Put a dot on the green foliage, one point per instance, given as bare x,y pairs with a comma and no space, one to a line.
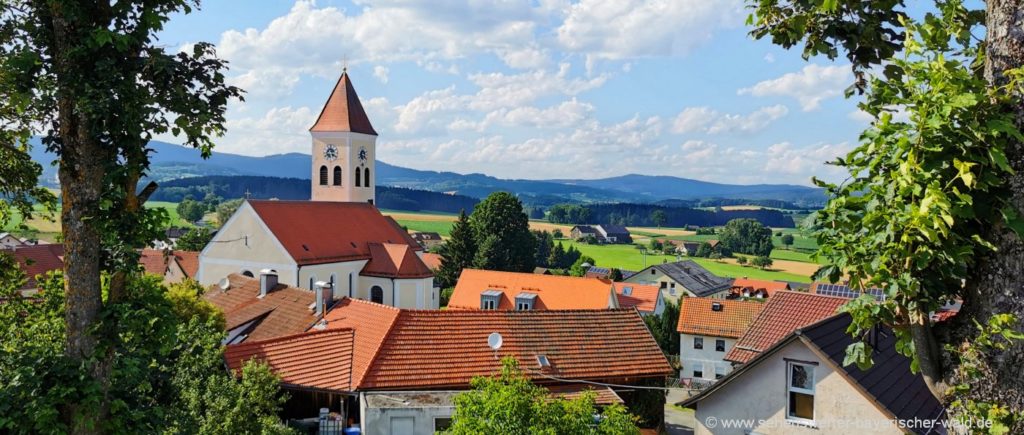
569,214
191,210
999,333
502,231
659,217
545,244
186,302
705,231
226,209
508,403
761,261
557,233
704,250
741,260
578,268
746,236
457,253
656,245
615,274
194,240
446,295
168,377
787,239
663,328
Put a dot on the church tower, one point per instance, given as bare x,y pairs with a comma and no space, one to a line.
344,148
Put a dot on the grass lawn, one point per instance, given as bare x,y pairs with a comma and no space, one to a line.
784,254
629,258
441,227
172,211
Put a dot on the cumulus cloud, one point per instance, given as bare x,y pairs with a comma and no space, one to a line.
381,73
707,120
810,86
278,130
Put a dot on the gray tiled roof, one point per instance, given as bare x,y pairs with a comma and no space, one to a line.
694,277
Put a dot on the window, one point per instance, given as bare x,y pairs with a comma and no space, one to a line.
719,372
487,304
664,284
358,174
442,424
672,284
698,342
652,272
698,372
377,294
337,175
323,175
523,306
366,177
720,345
800,388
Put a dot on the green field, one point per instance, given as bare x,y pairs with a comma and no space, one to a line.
441,227
172,211
783,254
629,258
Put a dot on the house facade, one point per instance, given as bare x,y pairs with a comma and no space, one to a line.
494,290
683,278
708,330
8,240
647,299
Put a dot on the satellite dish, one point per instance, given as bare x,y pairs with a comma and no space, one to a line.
224,284
494,341
586,265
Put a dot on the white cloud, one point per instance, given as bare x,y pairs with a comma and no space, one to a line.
810,86
770,58
628,29
705,119
279,130
381,73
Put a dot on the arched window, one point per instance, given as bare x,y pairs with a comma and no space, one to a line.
357,176
337,175
323,175
377,294
366,177
248,273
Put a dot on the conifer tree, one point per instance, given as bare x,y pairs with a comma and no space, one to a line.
457,253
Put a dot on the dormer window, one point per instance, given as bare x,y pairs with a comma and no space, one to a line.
489,299
524,301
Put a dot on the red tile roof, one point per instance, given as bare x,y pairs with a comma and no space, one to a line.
642,297
697,316
343,111
316,232
395,260
284,311
433,261
188,261
318,359
153,261
602,395
553,292
38,260
447,348
371,321
784,313
770,287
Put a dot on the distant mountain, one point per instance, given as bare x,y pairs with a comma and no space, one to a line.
174,162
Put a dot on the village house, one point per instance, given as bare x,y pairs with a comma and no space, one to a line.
605,233
427,240
339,237
683,278
783,313
755,288
647,299
262,309
605,273
173,266
495,290
708,330
388,370
844,291
36,260
687,248
800,385
8,240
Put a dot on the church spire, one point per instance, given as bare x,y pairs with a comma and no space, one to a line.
343,111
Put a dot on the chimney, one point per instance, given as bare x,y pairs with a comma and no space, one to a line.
268,280
323,297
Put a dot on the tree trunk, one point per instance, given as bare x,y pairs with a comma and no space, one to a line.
996,282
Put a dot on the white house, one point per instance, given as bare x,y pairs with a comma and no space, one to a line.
800,386
708,330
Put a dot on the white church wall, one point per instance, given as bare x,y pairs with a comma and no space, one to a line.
242,244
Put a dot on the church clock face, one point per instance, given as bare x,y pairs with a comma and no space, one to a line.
362,154
331,153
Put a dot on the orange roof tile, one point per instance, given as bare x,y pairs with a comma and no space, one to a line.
697,316
433,261
343,111
602,395
447,348
784,313
395,260
284,311
153,261
188,261
642,297
769,287
371,323
318,359
37,260
553,292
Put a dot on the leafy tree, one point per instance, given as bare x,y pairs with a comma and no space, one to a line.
787,239
932,210
557,257
545,243
577,268
194,240
557,233
446,295
746,236
741,260
457,253
663,328
659,217
190,210
656,245
93,78
761,261
508,403
589,239
615,275
226,209
500,217
704,250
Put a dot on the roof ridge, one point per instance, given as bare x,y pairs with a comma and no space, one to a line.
380,345
247,344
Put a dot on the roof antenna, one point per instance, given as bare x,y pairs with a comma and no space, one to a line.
344,64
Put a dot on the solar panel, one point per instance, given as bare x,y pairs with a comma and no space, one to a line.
844,291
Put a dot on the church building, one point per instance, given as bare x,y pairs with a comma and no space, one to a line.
338,239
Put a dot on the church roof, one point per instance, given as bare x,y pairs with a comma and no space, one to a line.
317,232
395,260
343,111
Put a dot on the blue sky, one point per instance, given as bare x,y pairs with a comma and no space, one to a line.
535,89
